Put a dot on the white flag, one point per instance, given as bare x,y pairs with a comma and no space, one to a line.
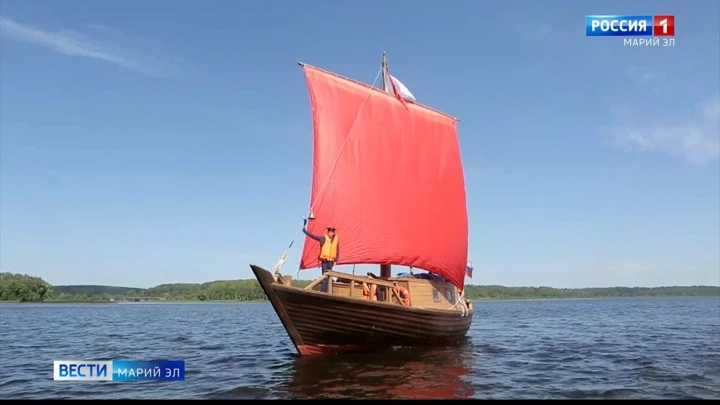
404,92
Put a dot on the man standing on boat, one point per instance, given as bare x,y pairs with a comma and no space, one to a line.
329,250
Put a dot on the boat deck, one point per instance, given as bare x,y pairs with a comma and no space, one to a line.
424,293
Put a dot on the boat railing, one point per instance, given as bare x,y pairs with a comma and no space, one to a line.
357,279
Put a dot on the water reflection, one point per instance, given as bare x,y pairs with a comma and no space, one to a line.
403,373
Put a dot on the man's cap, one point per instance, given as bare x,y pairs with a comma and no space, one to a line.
330,228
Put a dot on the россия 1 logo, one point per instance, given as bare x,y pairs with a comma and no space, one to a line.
645,30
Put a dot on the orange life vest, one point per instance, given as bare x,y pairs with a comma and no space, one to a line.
328,252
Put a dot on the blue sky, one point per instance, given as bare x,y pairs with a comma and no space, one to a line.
170,141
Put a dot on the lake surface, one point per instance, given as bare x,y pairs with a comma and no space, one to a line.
594,348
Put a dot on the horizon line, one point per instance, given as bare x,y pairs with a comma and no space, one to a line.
474,285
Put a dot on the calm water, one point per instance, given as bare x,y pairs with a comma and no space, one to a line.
614,348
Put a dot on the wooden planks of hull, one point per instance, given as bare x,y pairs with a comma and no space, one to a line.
322,323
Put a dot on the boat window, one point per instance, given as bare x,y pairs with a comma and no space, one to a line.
450,294
436,295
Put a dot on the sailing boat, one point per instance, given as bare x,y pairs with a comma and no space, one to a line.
387,176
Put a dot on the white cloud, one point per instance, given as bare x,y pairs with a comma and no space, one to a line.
642,75
105,44
529,25
239,256
711,110
697,140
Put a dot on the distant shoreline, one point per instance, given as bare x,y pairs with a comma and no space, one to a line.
98,301
26,288
51,302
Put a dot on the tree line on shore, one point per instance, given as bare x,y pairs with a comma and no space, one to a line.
22,288
25,288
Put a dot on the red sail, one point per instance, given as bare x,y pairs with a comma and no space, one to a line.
388,177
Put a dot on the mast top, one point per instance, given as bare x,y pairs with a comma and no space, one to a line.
384,72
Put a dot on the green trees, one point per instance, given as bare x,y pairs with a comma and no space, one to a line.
249,290
224,290
500,292
24,288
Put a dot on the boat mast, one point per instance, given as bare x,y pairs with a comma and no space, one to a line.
385,269
384,71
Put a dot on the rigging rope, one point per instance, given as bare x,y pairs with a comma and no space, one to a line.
283,257
461,299
347,137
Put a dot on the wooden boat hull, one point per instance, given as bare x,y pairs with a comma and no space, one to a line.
322,323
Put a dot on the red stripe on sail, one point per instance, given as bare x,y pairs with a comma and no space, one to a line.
396,192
